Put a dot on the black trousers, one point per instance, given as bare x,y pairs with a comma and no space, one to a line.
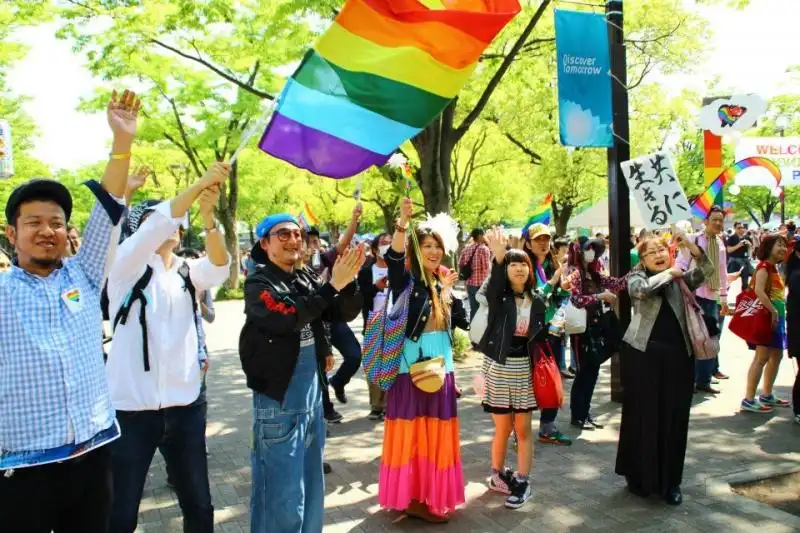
69,497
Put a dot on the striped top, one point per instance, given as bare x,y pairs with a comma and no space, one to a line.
776,290
380,74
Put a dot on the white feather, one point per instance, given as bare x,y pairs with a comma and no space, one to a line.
446,228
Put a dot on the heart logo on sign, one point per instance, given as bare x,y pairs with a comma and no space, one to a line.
729,114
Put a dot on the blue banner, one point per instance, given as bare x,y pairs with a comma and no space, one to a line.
584,84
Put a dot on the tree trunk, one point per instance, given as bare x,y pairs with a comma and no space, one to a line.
389,217
229,197
434,146
562,217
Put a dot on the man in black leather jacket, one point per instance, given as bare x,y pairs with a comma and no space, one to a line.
284,350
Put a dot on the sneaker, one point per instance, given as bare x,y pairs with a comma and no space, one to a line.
720,375
567,375
520,493
375,414
572,370
797,419
594,424
582,424
326,468
334,417
773,401
555,437
755,406
501,481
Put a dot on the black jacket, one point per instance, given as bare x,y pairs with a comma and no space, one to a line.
793,313
367,287
419,306
277,306
502,319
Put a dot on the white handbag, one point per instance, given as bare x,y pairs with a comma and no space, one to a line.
478,325
575,319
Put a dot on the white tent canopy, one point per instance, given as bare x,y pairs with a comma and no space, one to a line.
597,216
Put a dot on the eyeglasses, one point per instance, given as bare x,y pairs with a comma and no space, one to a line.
284,235
660,250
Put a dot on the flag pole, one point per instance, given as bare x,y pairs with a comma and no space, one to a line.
254,127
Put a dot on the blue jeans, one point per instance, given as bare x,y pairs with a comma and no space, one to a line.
705,369
288,487
180,432
473,301
344,340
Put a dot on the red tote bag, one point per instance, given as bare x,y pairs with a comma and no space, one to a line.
751,320
547,386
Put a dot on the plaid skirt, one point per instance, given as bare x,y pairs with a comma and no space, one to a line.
509,387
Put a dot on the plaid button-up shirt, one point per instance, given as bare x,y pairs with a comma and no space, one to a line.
53,388
480,258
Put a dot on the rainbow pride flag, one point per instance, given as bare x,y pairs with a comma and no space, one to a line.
543,213
705,200
310,217
376,78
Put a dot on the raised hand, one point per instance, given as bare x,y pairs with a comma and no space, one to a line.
122,113
216,174
137,180
449,280
358,210
497,243
406,211
208,200
347,267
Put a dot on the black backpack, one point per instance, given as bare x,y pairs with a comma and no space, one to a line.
137,293
465,271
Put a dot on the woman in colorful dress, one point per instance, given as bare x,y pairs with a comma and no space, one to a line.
516,330
421,464
595,292
769,288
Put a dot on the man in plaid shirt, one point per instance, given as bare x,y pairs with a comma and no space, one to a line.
55,413
478,257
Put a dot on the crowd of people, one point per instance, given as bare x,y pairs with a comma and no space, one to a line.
78,430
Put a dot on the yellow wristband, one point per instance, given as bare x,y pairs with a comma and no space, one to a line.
120,156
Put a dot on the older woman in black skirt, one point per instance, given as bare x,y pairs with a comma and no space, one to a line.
657,370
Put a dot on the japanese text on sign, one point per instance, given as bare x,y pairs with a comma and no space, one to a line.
653,182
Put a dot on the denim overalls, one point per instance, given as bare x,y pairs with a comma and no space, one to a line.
288,487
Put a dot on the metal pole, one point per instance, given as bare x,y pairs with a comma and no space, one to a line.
783,189
619,216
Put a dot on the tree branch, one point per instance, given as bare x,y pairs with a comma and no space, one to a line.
501,71
536,159
243,85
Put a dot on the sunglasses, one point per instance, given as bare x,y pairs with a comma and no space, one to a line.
284,235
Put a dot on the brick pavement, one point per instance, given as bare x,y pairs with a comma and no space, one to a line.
575,487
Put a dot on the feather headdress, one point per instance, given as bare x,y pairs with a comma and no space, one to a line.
445,227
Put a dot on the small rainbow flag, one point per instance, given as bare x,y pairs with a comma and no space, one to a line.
376,77
309,216
73,295
705,201
543,213
304,225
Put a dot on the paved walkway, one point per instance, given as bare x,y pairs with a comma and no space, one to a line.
575,487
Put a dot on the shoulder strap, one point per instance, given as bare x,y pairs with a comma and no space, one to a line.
183,272
137,293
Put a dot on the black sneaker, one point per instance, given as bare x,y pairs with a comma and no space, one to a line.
501,481
334,417
582,424
520,493
594,424
326,468
338,391
375,414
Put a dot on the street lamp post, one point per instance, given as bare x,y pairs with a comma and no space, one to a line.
781,123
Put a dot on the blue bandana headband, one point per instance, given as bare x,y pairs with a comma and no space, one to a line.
266,225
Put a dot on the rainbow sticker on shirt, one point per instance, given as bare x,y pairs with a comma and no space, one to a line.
73,295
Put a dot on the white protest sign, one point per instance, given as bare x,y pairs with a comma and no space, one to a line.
653,182
6,155
783,151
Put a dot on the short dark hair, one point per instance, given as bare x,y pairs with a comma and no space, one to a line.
791,226
765,250
12,221
560,243
477,232
376,242
189,253
715,209
312,232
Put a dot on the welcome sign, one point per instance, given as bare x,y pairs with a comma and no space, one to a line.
584,83
783,151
